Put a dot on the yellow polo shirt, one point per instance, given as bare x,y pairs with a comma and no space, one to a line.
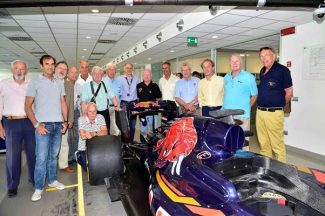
211,91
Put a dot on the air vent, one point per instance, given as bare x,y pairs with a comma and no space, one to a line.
38,53
106,41
20,38
97,53
122,21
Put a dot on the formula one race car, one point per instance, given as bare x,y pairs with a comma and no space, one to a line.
194,166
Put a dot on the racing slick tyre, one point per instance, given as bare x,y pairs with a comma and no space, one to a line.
104,156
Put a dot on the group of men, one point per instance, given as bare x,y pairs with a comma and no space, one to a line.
37,112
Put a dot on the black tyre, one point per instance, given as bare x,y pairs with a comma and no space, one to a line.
104,156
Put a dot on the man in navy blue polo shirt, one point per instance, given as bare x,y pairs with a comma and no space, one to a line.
274,92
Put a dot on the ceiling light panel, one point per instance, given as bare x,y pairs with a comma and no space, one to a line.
208,28
147,23
32,23
35,17
14,33
36,30
244,12
255,32
88,26
61,17
283,15
278,26
60,10
63,25
233,30
7,22
158,16
255,23
228,19
100,19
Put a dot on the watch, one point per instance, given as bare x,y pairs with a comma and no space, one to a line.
36,125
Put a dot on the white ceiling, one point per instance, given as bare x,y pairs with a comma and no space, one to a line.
72,33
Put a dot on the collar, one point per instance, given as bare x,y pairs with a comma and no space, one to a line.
88,121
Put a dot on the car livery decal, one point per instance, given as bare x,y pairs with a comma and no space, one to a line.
178,197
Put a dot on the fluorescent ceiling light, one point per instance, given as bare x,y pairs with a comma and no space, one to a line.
95,11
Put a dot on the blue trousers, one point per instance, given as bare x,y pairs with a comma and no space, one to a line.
47,150
18,132
206,110
132,119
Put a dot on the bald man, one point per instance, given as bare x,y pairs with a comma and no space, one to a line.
84,76
148,91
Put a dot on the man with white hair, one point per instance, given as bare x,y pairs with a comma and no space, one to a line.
115,83
17,128
97,92
148,91
240,91
186,91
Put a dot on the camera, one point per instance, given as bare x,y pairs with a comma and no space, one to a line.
320,11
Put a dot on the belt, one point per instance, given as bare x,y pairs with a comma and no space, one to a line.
15,117
270,109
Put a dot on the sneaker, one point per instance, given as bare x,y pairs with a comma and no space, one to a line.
37,195
57,185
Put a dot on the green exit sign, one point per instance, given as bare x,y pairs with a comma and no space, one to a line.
192,41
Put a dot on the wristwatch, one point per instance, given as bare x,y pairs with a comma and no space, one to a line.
36,125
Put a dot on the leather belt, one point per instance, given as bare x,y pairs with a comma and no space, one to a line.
270,109
15,117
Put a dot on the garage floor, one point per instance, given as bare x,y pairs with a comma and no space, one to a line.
96,199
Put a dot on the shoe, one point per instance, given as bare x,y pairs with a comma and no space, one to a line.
67,170
37,195
57,185
12,193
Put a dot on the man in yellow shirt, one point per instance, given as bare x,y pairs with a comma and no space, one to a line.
210,93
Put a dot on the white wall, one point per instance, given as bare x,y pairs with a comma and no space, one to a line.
306,123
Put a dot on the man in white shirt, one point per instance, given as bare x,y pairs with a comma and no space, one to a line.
84,76
167,83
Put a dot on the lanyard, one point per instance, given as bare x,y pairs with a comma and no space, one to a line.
129,84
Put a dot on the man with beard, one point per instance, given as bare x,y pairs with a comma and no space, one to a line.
17,128
60,71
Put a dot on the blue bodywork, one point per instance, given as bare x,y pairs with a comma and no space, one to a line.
211,178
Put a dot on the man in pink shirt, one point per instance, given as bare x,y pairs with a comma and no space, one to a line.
16,128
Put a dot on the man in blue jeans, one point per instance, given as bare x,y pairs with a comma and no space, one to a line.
49,118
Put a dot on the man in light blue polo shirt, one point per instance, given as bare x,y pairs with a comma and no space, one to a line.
96,91
240,90
115,83
186,91
49,117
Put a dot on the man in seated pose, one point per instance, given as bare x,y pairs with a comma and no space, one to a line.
91,125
